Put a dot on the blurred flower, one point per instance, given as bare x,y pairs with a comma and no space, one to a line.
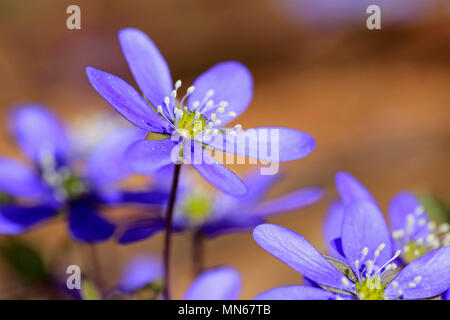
212,214
145,272
216,98
344,13
54,184
368,272
413,233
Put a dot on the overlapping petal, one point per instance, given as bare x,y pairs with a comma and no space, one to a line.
231,82
425,277
364,227
126,100
147,156
147,65
333,226
217,174
295,251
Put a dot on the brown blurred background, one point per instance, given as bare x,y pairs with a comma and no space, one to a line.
376,101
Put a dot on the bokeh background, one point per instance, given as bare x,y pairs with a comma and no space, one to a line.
377,102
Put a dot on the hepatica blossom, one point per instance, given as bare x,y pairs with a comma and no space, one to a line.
367,270
199,210
54,184
188,127
145,273
412,231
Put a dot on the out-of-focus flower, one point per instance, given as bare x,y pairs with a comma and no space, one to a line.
190,127
325,14
368,272
145,272
54,183
212,214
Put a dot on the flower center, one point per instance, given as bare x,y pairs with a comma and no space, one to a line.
197,208
370,289
66,185
410,240
200,117
373,279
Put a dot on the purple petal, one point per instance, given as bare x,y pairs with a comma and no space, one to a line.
217,174
147,64
404,204
107,165
258,185
364,227
236,223
231,82
274,144
222,283
333,226
142,270
295,251
446,295
351,189
140,230
425,277
289,202
87,225
19,180
296,292
39,133
17,219
147,156
126,100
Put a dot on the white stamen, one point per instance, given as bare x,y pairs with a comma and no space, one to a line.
218,122
220,110
232,114
345,281
417,279
394,284
213,117
444,228
412,285
238,127
177,84
223,104
190,89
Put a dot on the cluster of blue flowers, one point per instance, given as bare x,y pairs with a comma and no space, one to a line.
366,260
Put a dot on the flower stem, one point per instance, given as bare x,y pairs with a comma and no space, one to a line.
197,253
168,234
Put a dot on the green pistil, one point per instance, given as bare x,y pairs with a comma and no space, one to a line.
413,251
73,186
4,198
197,207
370,289
191,125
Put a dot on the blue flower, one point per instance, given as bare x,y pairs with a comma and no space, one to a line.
146,271
194,122
368,271
412,231
53,183
212,214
